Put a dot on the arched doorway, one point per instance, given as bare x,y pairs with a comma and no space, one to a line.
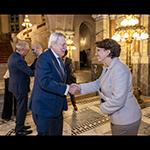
85,46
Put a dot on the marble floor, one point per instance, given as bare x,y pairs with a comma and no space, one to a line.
86,121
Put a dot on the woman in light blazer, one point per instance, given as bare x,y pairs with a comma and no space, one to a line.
115,89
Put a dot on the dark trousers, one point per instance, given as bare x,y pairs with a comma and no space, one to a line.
52,126
22,101
72,98
9,105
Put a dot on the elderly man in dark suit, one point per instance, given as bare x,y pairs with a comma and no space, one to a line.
37,50
19,84
48,98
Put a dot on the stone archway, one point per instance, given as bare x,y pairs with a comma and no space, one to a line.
86,42
90,24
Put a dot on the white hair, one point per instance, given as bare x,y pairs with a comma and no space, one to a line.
22,44
37,45
54,37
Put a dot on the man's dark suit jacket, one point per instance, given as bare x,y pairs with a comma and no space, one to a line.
47,98
70,76
33,64
19,74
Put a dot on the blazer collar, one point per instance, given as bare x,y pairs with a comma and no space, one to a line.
56,65
114,61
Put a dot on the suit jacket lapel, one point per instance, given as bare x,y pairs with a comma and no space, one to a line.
104,76
57,67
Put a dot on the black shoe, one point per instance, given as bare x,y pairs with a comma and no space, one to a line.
27,127
23,133
5,120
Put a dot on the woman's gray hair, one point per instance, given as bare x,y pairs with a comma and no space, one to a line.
22,45
54,37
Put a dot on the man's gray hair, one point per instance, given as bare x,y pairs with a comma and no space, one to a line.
38,45
22,44
54,37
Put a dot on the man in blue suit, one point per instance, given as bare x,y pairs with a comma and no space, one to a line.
48,98
19,84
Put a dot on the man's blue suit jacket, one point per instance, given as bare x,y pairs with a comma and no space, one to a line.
19,74
47,98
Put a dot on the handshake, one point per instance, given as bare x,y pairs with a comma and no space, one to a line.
74,88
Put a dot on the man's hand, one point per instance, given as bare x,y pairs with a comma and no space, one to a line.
74,88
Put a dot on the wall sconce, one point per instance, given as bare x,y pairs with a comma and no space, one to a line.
70,43
83,42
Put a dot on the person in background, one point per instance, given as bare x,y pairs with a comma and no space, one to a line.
88,52
50,89
9,105
18,84
115,90
37,51
70,77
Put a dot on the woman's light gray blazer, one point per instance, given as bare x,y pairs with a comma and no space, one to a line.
116,87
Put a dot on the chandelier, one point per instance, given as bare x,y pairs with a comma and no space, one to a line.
27,24
130,30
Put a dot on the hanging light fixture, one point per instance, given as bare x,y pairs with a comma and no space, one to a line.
130,30
27,24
